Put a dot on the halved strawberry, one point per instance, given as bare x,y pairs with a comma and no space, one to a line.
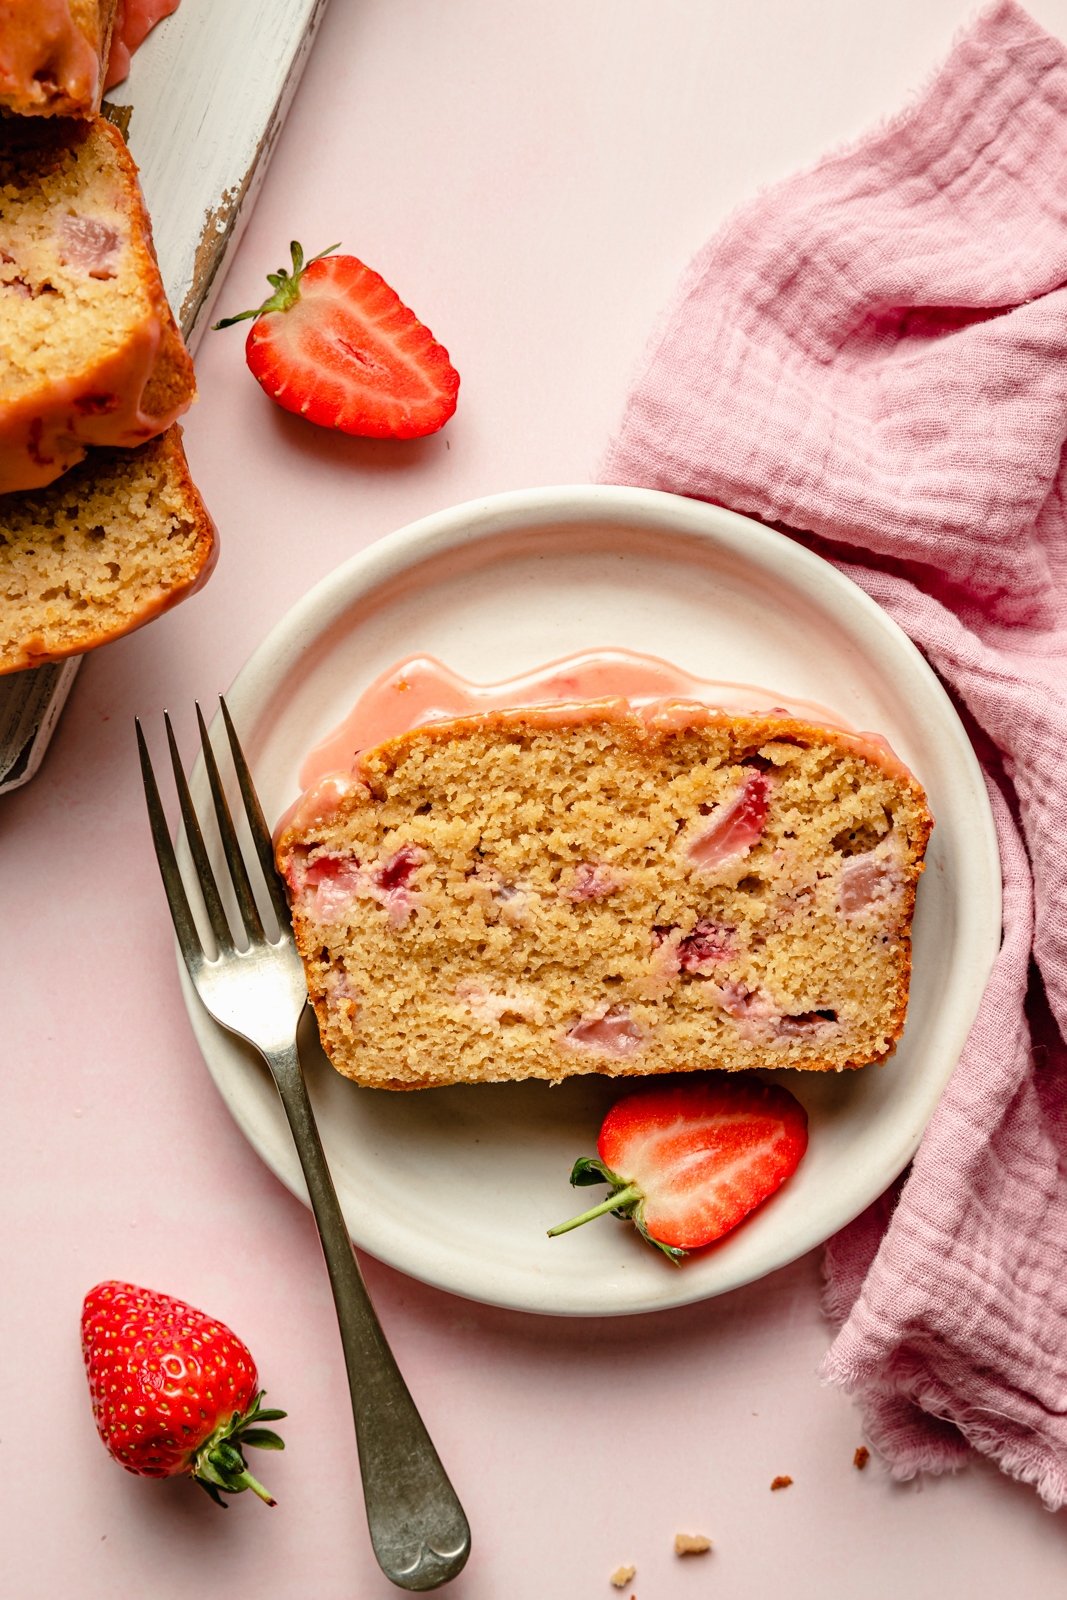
336,345
687,1162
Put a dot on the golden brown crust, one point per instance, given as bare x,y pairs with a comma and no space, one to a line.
761,727
173,381
172,385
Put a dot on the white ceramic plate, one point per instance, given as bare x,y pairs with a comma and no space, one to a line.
458,1186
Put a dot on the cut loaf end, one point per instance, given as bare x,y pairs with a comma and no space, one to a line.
117,540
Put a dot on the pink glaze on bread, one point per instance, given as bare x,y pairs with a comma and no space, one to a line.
52,55
58,56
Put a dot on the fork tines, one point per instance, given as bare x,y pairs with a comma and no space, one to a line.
184,923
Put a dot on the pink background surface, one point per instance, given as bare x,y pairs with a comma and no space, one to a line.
532,180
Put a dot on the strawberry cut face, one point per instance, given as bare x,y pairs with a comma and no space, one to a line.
348,354
703,1159
687,1163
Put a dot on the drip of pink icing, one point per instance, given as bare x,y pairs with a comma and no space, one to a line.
45,58
421,689
597,685
45,431
48,61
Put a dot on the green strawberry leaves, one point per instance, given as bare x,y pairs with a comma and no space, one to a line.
263,1439
587,1170
219,1466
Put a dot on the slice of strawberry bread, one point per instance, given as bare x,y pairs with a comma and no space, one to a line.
539,893
91,351
119,539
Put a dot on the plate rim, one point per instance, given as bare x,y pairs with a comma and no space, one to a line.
473,521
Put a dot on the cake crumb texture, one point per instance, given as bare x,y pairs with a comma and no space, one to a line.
861,1457
622,1576
499,898
783,1481
114,542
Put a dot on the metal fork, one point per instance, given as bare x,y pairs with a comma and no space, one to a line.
417,1526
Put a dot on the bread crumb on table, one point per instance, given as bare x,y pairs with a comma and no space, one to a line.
622,1576
691,1544
782,1481
861,1457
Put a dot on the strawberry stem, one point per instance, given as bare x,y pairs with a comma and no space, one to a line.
286,286
622,1197
246,1481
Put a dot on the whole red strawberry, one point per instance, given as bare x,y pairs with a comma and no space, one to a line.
174,1392
686,1163
336,345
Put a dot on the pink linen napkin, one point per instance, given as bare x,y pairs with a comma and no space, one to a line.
874,355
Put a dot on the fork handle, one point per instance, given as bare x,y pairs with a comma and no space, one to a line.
417,1526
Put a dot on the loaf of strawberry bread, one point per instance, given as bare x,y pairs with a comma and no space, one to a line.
120,538
561,890
92,354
